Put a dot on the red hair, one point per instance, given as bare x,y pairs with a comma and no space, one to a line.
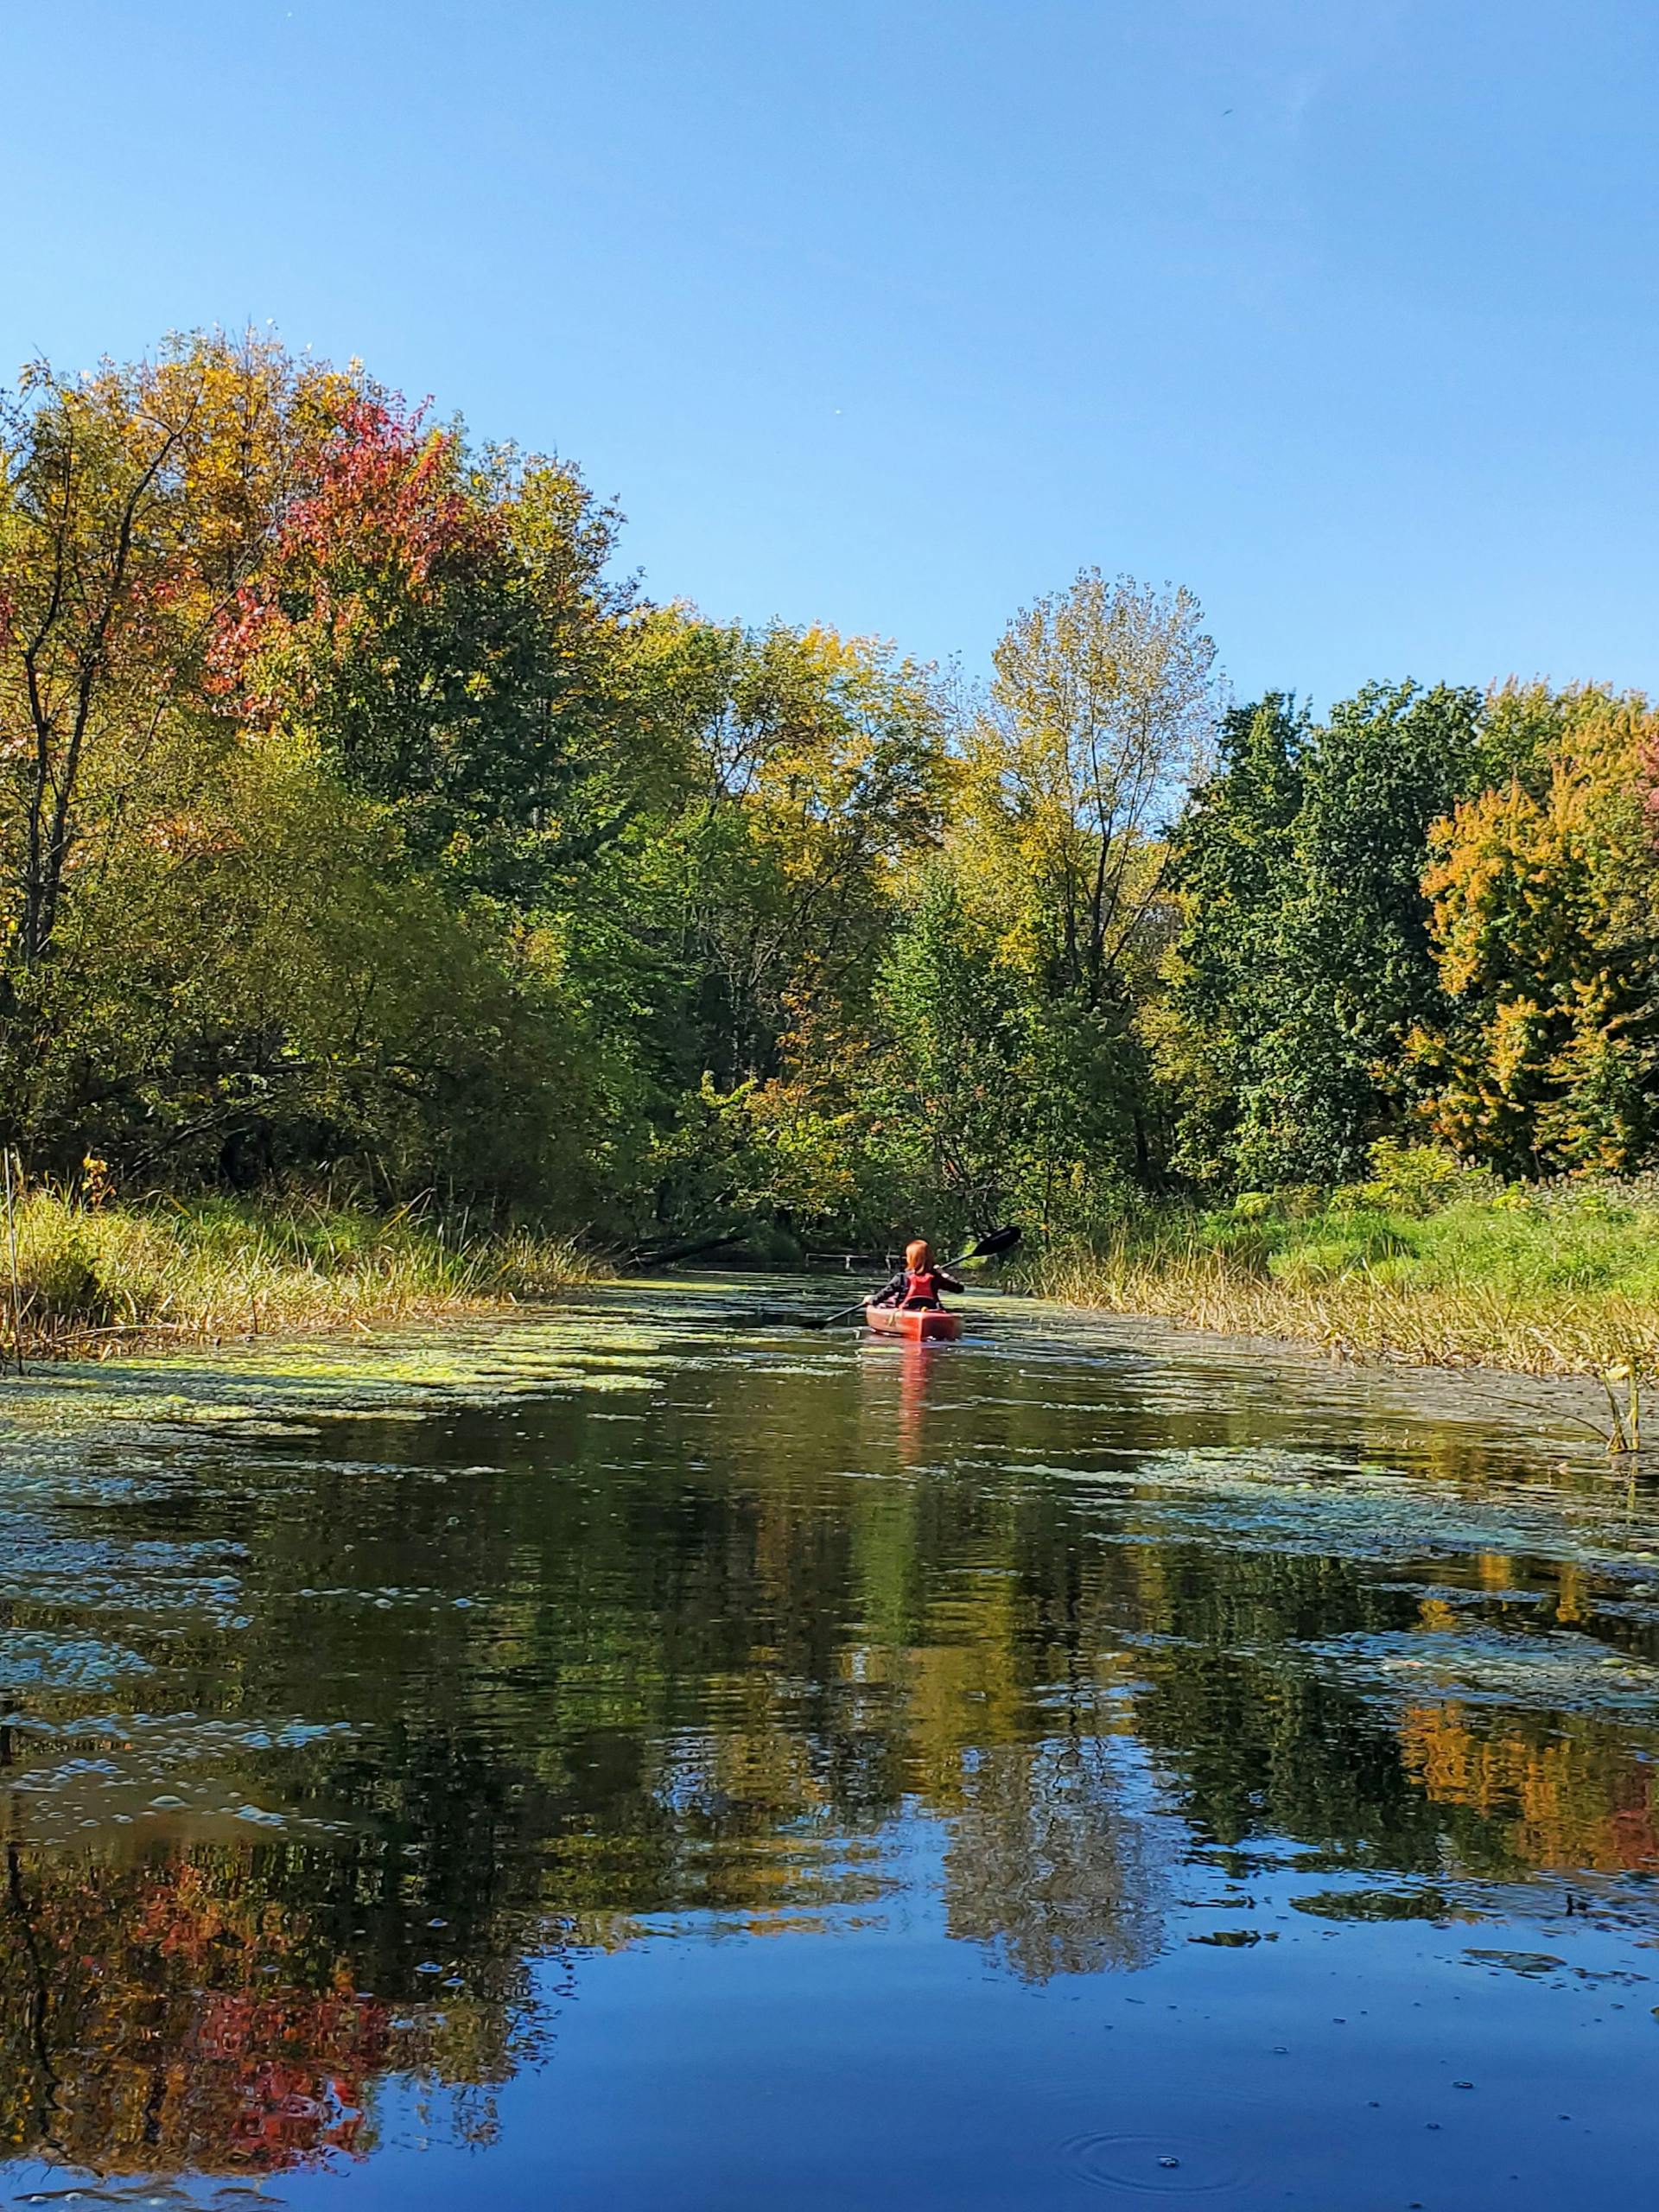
919,1254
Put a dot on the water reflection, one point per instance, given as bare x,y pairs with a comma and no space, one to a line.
1057,1863
210,2010
338,1757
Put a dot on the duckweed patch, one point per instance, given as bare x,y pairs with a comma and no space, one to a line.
1278,1501
32,1660
1551,1672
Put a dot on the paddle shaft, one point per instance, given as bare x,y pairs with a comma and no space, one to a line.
986,1247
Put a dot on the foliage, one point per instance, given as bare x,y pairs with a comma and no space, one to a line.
356,822
820,793
438,621
1303,963
955,1076
1559,1279
1543,926
1233,873
1410,1178
1103,696
134,504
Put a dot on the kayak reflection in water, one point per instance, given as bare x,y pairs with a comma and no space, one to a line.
917,1285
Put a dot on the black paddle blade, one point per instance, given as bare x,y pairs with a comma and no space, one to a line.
1000,1240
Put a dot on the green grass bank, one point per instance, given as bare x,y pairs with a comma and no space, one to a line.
90,1279
1424,1264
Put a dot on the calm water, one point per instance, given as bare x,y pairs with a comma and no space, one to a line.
635,1760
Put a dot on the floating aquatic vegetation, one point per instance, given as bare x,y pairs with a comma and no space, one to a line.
282,1388
42,1568
1275,1500
1553,1672
1531,1963
124,1769
35,1659
1431,1905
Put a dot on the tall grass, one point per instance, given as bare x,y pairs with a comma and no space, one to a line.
1550,1281
94,1277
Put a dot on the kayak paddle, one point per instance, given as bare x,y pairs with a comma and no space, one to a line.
988,1248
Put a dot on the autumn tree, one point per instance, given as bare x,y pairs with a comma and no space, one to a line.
1105,696
820,792
310,715
439,623
1542,921
134,504
1102,699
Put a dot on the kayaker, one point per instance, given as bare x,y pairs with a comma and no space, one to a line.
919,1282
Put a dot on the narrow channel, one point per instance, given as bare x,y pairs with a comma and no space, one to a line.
632,1758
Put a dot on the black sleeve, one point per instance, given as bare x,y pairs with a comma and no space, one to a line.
949,1282
889,1291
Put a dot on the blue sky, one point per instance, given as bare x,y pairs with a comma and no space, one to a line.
893,313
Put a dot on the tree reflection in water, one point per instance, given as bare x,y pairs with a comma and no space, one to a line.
178,2013
1052,1864
582,1670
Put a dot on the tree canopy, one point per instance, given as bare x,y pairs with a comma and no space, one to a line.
359,820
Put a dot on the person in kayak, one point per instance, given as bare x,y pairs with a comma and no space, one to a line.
919,1282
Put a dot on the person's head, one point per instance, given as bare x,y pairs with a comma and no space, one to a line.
918,1256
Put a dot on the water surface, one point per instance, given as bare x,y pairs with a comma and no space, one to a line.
628,1758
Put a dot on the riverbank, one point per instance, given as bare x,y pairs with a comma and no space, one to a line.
1559,1281
91,1280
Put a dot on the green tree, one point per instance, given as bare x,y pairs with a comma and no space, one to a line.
1232,875
956,1073
1305,960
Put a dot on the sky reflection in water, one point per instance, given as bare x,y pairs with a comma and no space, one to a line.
701,1766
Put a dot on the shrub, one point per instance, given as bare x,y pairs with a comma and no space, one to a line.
57,1279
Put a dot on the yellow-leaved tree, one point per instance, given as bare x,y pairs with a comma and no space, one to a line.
1543,893
1104,697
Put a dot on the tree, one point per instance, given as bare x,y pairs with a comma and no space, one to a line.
134,503
955,1073
1314,971
1231,873
1542,921
1104,698
439,623
821,794
735,933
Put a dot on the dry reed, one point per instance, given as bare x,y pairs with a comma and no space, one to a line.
1547,1330
96,1279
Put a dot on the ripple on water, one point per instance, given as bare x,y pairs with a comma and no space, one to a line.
1173,2164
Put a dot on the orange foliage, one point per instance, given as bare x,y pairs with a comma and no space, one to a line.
1577,1801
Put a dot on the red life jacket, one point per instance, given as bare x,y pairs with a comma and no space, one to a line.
921,1289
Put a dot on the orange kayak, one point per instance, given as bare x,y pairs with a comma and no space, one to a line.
918,1324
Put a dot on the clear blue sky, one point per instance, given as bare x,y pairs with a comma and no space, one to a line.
892,313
